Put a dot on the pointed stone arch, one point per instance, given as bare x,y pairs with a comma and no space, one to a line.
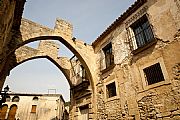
63,70
62,32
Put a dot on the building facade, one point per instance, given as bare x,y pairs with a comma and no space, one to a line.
131,71
137,64
20,106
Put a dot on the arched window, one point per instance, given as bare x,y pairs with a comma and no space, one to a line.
3,111
35,98
8,98
12,112
15,99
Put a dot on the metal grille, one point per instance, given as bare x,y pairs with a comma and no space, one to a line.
78,71
153,74
140,33
111,90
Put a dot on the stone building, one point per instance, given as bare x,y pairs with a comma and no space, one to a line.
131,71
33,107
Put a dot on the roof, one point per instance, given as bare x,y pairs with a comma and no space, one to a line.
33,94
119,20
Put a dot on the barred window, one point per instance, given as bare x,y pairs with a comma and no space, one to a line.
140,33
153,74
111,90
109,57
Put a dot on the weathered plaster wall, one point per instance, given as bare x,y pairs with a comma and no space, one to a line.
160,101
49,106
135,99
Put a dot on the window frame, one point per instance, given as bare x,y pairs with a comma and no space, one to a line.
143,33
164,72
82,73
8,98
14,99
151,73
109,58
35,98
105,90
110,89
34,109
81,111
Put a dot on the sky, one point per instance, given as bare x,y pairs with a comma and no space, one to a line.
89,19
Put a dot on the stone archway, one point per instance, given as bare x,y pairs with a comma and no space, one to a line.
26,53
30,31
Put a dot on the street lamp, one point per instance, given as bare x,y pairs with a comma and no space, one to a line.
3,95
6,89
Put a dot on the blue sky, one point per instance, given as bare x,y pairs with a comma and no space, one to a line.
89,18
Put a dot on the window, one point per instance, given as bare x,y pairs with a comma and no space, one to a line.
8,98
153,74
33,109
78,71
84,112
109,58
35,98
15,99
140,33
111,90
82,72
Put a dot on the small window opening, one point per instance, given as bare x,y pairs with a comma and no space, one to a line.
33,110
109,57
15,99
111,90
153,74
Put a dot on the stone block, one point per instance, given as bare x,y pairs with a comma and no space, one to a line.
176,113
159,115
166,114
176,118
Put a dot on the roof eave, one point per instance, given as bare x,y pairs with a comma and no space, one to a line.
120,19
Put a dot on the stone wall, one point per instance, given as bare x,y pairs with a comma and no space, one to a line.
7,9
135,99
